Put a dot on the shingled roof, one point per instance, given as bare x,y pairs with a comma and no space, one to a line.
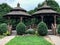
45,9
17,11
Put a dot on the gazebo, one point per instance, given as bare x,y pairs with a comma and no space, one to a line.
47,14
17,13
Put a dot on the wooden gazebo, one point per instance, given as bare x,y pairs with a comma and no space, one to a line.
46,14
17,13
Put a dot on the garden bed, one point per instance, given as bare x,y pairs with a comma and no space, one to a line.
28,40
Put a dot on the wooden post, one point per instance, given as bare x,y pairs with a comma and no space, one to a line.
55,19
9,25
41,18
55,25
21,18
9,21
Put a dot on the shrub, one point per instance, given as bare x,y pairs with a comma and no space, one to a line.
42,29
20,28
59,29
3,28
30,31
7,33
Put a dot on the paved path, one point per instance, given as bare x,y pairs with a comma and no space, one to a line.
7,38
55,39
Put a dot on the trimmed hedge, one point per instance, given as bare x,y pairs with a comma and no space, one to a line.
20,28
3,28
59,29
42,29
30,31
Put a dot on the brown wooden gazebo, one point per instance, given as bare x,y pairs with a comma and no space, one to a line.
17,13
47,14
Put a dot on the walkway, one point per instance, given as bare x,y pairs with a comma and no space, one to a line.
55,39
7,38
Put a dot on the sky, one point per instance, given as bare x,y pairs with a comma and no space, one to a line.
26,4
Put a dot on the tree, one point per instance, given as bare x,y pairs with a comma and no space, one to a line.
4,9
31,11
53,4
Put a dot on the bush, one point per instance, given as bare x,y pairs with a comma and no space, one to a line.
42,29
7,33
3,28
20,28
59,29
30,31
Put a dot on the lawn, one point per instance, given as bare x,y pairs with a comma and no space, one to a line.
28,40
2,36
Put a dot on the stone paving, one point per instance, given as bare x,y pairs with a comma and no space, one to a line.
49,40
55,39
7,38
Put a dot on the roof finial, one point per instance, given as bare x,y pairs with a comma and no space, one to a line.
45,2
18,5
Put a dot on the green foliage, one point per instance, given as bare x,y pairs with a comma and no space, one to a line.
42,29
7,33
59,29
58,20
30,31
2,36
27,22
4,9
3,28
53,4
20,28
31,11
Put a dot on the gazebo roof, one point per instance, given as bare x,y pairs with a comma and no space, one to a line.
18,8
17,11
45,9
45,6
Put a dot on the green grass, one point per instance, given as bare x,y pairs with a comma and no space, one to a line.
2,36
28,40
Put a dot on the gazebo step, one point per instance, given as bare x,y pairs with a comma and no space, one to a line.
50,32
